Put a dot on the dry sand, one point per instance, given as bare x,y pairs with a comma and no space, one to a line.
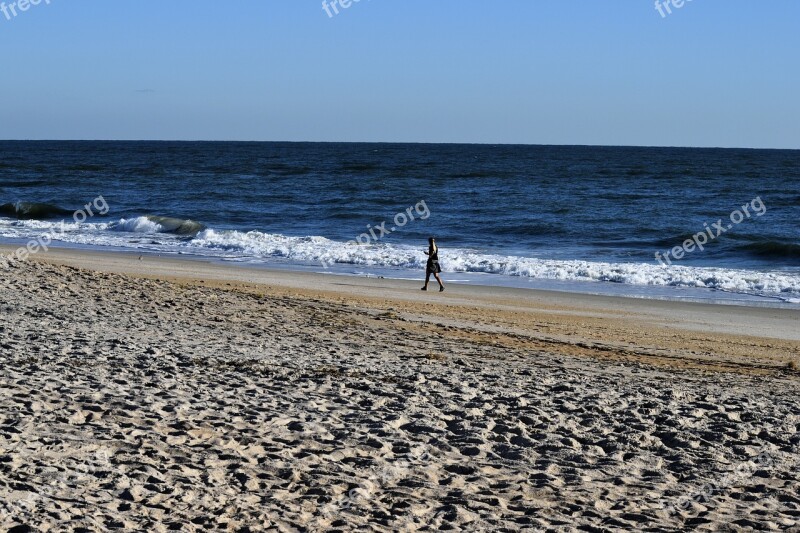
161,395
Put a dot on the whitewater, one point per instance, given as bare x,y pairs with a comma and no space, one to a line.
166,235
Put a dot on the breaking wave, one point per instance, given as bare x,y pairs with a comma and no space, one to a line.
157,224
32,211
321,250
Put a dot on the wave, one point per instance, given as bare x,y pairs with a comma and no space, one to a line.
285,170
32,211
637,171
177,226
136,225
311,249
173,235
157,224
85,168
774,249
529,229
358,166
25,184
324,251
664,238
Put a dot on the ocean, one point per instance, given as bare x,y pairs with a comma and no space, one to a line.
587,219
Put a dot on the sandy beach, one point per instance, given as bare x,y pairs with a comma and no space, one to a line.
216,219
157,394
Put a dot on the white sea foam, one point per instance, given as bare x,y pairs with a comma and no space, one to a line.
136,225
265,247
118,233
28,228
321,250
310,249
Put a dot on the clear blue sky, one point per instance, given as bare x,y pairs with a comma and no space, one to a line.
713,73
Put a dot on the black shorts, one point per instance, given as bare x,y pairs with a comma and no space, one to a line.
434,267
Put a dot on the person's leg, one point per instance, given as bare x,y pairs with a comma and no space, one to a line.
441,285
427,280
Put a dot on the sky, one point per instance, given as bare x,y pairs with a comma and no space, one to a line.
721,73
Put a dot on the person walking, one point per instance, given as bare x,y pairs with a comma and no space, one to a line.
433,266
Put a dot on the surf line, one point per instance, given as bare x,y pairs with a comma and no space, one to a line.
42,242
699,240
400,220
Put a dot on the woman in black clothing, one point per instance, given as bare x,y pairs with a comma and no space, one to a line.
433,266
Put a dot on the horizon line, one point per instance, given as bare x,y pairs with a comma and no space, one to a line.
450,143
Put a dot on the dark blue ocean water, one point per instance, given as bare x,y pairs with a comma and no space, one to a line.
582,214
